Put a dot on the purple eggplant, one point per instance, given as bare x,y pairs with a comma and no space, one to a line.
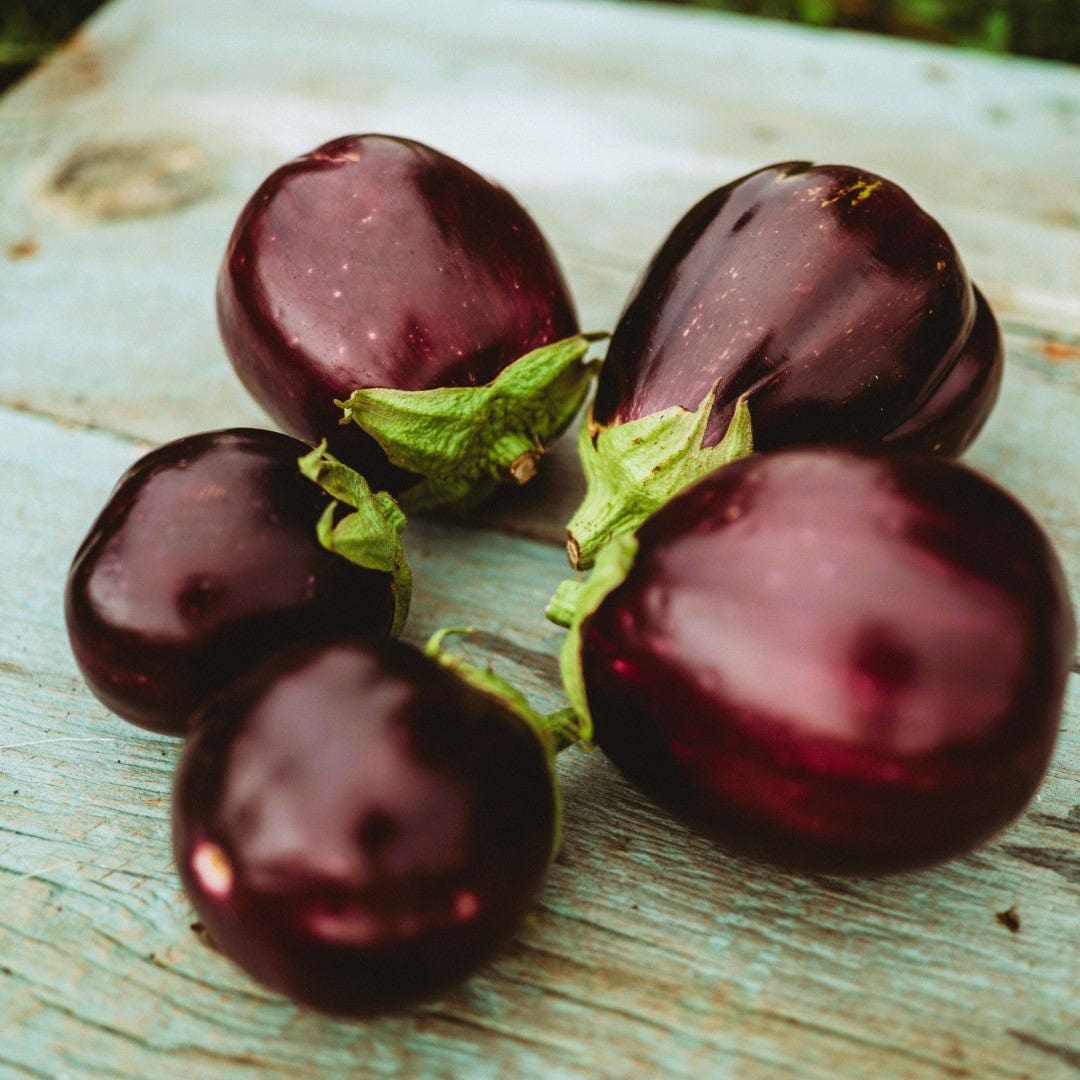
836,659
800,303
358,827
379,281
211,552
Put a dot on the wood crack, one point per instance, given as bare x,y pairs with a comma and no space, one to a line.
1062,861
1068,1054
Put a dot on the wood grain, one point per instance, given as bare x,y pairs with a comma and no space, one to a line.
650,952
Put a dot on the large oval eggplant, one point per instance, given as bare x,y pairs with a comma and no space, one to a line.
835,659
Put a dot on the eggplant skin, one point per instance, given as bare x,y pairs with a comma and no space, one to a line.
950,419
828,296
836,659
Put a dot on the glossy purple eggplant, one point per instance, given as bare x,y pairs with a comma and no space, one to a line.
821,296
205,558
376,262
359,828
827,295
836,659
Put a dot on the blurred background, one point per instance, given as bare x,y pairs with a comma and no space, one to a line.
1049,29
1044,28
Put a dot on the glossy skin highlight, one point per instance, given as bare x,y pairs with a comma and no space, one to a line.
376,261
827,295
358,828
836,660
204,559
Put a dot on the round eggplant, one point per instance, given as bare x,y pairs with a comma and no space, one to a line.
836,659
207,556
358,827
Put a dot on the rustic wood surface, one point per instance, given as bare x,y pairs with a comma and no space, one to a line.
650,953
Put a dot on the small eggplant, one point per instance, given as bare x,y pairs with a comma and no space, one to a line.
800,303
211,552
359,827
379,281
836,659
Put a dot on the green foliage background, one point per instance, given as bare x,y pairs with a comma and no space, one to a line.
30,29
1042,28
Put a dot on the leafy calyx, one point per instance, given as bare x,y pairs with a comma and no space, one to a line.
463,441
370,535
633,468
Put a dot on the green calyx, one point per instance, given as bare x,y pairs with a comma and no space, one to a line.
573,602
557,730
370,536
634,468
466,440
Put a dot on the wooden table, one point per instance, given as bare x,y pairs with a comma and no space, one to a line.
123,163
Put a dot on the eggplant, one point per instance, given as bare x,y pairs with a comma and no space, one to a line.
359,827
212,551
801,303
382,296
834,658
